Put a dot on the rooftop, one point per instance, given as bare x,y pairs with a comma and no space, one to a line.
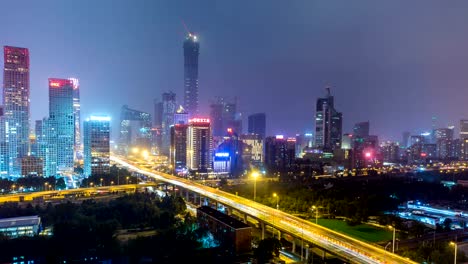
224,218
20,221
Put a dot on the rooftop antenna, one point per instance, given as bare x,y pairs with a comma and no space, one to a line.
185,27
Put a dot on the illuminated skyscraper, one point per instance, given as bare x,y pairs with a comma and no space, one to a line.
178,156
76,113
191,51
96,145
224,116
16,105
327,124
199,145
361,129
60,127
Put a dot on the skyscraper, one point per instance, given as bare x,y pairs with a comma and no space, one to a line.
135,130
327,124
178,157
168,111
223,115
199,145
361,129
96,145
76,114
61,124
16,104
464,139
191,51
257,124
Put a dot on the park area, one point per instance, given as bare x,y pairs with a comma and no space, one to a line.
363,232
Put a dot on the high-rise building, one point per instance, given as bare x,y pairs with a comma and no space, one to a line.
464,139
77,115
390,151
32,166
178,157
257,124
405,139
61,124
135,130
280,153
168,111
327,124
347,141
97,145
361,129
253,149
158,113
191,52
444,140
16,105
224,116
199,145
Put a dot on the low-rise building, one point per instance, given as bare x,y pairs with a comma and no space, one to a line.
14,227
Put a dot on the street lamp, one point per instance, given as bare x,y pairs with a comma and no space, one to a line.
277,200
112,182
316,213
13,187
45,186
393,243
255,176
455,252
127,179
101,181
91,184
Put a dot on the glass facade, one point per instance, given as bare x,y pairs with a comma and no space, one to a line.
97,145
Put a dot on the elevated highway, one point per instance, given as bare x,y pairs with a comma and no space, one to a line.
345,247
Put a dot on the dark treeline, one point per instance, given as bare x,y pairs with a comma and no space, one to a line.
90,229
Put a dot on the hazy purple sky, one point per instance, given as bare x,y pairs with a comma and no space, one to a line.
394,63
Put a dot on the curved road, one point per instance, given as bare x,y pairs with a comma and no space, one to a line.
341,245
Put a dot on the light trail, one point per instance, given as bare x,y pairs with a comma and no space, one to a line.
349,248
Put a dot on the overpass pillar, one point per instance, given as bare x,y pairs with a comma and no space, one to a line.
227,210
201,199
307,252
245,218
279,235
187,195
294,245
262,224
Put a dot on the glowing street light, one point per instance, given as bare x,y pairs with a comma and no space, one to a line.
112,182
255,176
455,252
45,185
316,213
277,200
127,179
13,187
145,154
91,184
393,244
101,181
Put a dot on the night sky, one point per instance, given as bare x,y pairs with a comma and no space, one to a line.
394,63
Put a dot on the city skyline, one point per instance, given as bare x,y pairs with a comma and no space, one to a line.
421,70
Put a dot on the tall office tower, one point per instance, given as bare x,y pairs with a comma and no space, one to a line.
224,116
16,104
257,124
191,51
390,151
178,157
61,124
443,139
158,114
280,153
199,145
327,124
347,141
96,145
405,139
135,130
361,129
181,116
76,114
41,142
464,139
168,111
253,150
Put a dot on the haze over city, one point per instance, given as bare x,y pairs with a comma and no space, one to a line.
396,64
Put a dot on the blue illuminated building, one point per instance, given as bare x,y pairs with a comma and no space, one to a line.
96,145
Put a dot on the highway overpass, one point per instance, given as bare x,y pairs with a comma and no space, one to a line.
345,247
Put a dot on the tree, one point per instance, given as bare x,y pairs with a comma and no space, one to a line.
60,184
267,249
